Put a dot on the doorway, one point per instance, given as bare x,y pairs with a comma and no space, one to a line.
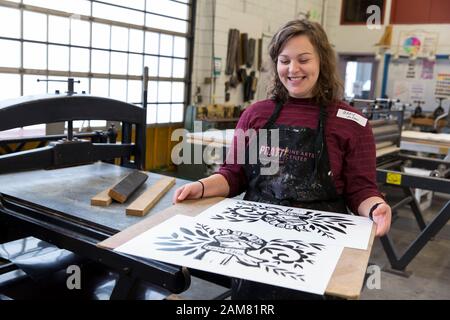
359,74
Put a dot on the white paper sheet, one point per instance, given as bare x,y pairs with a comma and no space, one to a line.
310,225
267,257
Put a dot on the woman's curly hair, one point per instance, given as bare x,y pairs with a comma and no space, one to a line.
329,87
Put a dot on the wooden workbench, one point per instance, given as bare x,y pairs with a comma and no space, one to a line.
346,281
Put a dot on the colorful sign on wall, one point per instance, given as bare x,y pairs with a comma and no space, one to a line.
417,43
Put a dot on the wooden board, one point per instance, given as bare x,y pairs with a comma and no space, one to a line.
442,144
347,279
428,122
101,199
385,151
127,186
427,137
150,197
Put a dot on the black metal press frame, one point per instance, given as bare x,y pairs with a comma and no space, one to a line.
65,231
42,141
82,237
26,111
391,174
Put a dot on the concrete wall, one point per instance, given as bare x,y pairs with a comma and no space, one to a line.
264,17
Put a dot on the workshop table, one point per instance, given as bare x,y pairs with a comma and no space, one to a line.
437,143
346,281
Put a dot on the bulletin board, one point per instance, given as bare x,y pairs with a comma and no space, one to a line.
419,79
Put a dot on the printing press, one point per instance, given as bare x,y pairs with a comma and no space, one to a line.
406,173
47,225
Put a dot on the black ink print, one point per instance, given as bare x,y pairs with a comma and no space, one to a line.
245,248
319,222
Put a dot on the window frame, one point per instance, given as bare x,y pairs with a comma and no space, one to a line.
344,4
46,73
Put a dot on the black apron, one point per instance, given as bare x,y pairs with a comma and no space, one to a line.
303,180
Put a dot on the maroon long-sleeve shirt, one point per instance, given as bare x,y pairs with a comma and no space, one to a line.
351,147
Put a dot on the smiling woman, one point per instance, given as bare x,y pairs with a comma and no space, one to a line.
303,47
298,70
337,170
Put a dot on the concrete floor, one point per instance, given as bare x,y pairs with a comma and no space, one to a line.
430,269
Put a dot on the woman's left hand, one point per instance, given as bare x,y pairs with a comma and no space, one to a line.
382,217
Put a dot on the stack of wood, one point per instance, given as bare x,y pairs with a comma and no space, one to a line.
126,187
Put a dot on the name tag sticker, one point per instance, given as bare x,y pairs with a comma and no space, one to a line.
344,114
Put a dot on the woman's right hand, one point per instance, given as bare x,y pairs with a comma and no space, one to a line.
188,191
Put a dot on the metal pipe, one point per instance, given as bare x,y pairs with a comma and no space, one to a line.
402,202
190,55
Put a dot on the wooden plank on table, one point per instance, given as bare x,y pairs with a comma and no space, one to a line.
101,199
127,186
385,151
150,197
187,207
435,143
346,281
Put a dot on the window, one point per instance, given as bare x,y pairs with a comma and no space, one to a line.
359,74
10,84
58,29
10,23
10,53
104,44
355,11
